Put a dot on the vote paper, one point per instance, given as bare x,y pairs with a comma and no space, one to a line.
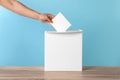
60,23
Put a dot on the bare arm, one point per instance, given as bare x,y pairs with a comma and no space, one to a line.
21,9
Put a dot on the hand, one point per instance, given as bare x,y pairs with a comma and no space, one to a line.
46,18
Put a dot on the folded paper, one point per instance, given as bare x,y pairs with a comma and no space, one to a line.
60,23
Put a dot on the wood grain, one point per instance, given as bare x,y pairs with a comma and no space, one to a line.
37,73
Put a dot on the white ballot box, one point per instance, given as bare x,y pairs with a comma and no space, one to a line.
63,51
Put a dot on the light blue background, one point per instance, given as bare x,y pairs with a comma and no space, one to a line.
22,39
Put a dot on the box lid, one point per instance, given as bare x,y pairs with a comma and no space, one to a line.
66,32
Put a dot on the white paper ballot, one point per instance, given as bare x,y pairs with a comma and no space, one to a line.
60,23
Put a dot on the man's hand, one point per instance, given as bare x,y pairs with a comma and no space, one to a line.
46,18
21,9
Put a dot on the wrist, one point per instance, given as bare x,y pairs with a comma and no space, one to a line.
39,16
36,16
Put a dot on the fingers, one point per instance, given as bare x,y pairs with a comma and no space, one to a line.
50,17
46,18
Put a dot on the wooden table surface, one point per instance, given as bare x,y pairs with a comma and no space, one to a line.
37,73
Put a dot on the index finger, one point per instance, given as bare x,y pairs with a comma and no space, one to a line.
50,16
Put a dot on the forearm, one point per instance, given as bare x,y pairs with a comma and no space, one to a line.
19,8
